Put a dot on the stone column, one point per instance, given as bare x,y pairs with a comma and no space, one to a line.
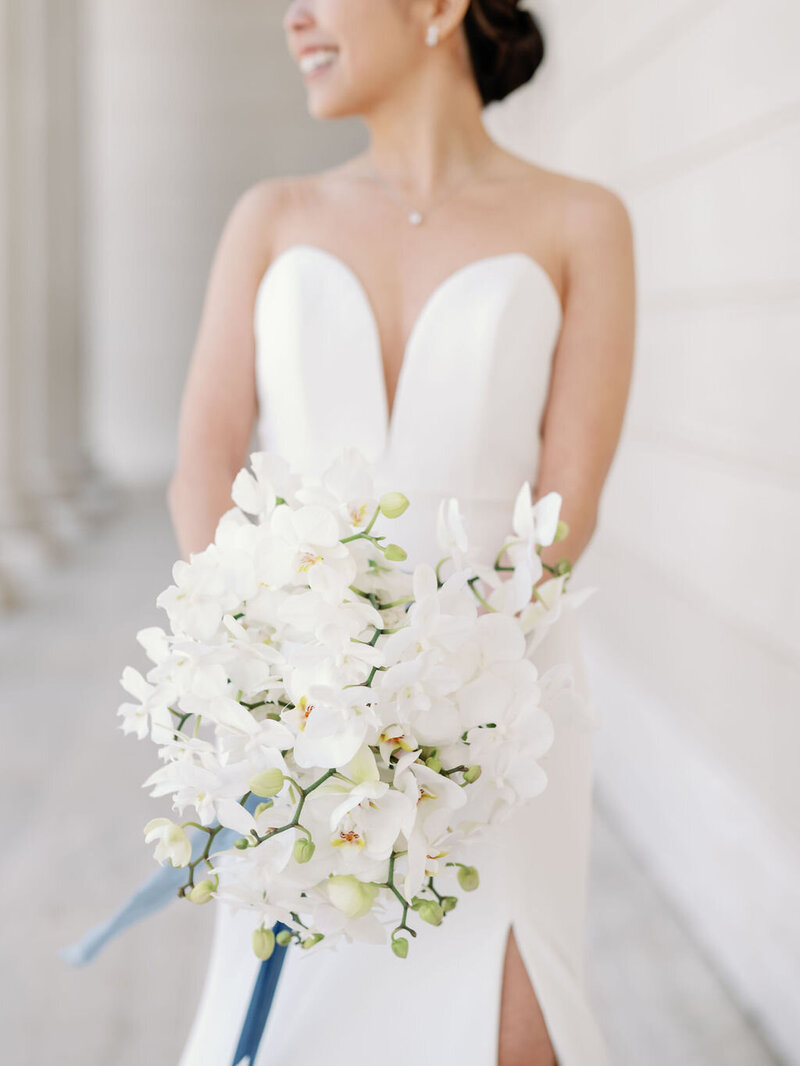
44,472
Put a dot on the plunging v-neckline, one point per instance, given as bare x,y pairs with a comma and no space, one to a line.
389,411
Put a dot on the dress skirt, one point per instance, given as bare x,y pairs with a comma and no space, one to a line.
358,1002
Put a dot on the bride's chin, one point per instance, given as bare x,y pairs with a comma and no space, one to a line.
331,105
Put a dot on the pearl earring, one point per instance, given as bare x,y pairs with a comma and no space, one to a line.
432,36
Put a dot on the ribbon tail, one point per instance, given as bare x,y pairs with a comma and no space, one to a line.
260,1003
151,896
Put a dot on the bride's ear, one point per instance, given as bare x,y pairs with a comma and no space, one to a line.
444,16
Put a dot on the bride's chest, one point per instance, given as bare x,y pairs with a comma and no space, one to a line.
472,380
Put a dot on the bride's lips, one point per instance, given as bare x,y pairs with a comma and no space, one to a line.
315,61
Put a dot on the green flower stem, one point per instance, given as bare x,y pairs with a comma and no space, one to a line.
501,553
371,641
304,793
389,883
471,582
363,535
373,599
201,858
265,703
452,770
373,519
359,592
439,565
439,897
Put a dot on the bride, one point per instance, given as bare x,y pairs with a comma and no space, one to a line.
466,318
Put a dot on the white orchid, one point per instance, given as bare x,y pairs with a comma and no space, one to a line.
329,725
436,799
173,844
257,493
303,547
372,814
200,596
536,523
347,487
451,533
151,714
354,723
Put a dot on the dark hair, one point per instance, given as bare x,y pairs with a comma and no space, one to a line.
506,46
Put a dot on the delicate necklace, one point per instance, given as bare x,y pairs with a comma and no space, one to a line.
415,216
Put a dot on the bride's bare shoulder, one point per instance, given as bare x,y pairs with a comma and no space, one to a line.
576,202
591,210
256,220
264,201
274,200
590,225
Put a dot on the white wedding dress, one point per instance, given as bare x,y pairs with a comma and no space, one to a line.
465,423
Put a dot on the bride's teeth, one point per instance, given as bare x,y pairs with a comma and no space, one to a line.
313,60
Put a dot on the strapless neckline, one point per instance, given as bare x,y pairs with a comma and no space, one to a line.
437,294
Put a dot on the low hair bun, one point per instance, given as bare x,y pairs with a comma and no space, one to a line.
506,46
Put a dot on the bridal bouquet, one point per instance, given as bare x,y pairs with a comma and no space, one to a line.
356,725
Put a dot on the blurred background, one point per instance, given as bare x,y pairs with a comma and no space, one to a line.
127,131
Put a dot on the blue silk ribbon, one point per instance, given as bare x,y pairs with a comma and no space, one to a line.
260,1003
154,894
151,896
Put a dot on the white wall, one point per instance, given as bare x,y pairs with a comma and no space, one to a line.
187,103
691,111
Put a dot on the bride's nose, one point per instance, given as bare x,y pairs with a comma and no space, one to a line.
298,14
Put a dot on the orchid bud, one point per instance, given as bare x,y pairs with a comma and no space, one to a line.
241,843
562,529
448,903
284,937
472,773
400,947
201,892
468,878
267,783
351,896
431,912
392,504
563,566
434,763
263,942
310,941
394,553
303,849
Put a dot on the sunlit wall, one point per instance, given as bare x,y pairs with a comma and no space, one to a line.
691,111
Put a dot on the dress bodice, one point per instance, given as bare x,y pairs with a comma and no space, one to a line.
470,394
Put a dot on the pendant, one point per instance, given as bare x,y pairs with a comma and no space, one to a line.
414,217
